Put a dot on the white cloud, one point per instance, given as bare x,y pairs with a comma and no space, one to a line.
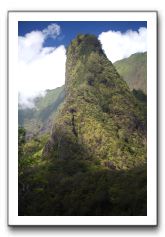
39,68
117,45
30,46
52,31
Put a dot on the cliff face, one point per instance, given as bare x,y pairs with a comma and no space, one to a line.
100,121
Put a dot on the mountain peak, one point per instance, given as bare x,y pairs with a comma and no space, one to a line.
86,63
100,119
84,44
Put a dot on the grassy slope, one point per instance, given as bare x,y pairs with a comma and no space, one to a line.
134,71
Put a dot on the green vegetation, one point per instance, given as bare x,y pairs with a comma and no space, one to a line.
134,71
40,118
80,188
94,161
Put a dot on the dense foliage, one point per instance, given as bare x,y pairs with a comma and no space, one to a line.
75,187
94,162
100,118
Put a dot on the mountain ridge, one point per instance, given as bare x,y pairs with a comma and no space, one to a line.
134,71
39,120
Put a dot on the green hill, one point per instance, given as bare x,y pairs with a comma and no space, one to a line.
40,118
134,71
94,161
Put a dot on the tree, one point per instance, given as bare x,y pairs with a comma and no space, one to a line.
21,140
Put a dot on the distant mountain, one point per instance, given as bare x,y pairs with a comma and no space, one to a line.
40,118
134,71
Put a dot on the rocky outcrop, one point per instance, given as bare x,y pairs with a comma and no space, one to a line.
100,119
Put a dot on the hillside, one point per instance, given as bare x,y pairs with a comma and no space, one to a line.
134,71
40,118
94,161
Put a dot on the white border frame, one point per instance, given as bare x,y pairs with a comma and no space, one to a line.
151,218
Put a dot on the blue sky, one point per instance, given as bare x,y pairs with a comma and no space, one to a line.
42,49
69,29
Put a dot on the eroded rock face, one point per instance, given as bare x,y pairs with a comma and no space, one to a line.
97,120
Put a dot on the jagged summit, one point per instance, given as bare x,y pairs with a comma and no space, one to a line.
83,57
100,120
84,44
